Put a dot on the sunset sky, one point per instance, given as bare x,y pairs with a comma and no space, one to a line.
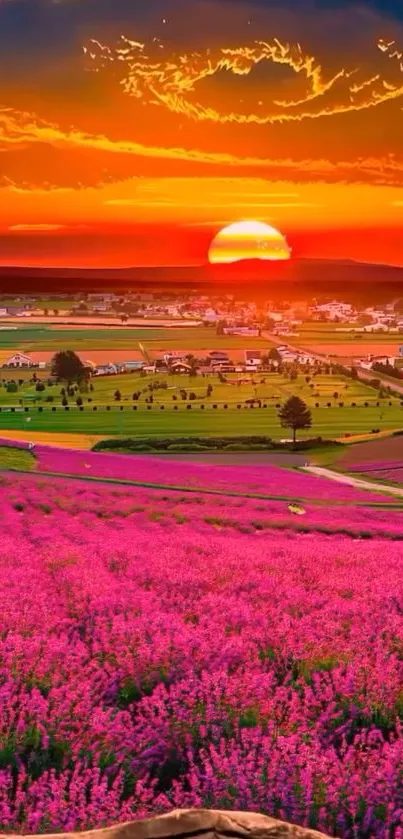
131,131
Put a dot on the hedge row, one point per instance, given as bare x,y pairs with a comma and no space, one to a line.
188,407
238,443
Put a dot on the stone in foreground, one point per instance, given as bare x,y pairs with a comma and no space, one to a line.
194,824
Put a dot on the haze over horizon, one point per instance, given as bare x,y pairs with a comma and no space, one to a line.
132,134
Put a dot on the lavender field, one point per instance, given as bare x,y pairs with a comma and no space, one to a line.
164,650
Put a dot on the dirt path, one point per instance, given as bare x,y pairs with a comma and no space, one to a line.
354,482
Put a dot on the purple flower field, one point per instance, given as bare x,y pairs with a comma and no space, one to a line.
382,470
268,480
158,650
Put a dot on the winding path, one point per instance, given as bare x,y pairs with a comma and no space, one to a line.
359,483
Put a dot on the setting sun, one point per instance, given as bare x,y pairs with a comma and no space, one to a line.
248,240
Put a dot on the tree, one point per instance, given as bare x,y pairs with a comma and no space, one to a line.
295,414
274,355
117,395
209,390
67,367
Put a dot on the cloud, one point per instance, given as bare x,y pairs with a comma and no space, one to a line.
37,228
172,80
20,131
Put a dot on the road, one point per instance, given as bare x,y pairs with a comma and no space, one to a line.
358,483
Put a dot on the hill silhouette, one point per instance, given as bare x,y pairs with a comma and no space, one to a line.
309,275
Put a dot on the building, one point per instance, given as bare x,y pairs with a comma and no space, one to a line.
109,369
171,357
180,367
20,360
217,358
253,359
3,312
132,366
251,331
15,311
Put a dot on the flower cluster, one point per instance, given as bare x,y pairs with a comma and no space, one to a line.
159,650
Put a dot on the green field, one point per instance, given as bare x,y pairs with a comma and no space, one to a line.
12,458
327,422
45,303
270,387
39,338
326,333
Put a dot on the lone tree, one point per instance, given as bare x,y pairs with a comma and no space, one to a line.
68,367
295,414
274,355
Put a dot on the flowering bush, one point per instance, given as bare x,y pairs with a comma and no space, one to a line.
160,650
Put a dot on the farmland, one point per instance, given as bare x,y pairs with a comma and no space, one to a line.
42,338
327,339
270,387
327,422
151,672
339,406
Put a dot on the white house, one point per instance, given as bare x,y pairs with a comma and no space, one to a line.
20,360
253,359
109,369
252,331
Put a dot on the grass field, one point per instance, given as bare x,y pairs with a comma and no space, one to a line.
272,387
326,333
12,458
42,338
327,422
199,415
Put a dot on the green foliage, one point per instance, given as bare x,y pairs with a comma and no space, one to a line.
295,414
67,367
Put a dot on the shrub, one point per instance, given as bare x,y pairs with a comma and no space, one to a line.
40,387
65,401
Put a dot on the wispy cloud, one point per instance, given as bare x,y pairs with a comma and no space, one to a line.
21,131
37,228
172,81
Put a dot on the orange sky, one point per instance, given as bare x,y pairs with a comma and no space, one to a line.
137,135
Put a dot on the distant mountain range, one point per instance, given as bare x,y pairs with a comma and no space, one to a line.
256,275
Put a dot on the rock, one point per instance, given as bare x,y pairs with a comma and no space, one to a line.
197,824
